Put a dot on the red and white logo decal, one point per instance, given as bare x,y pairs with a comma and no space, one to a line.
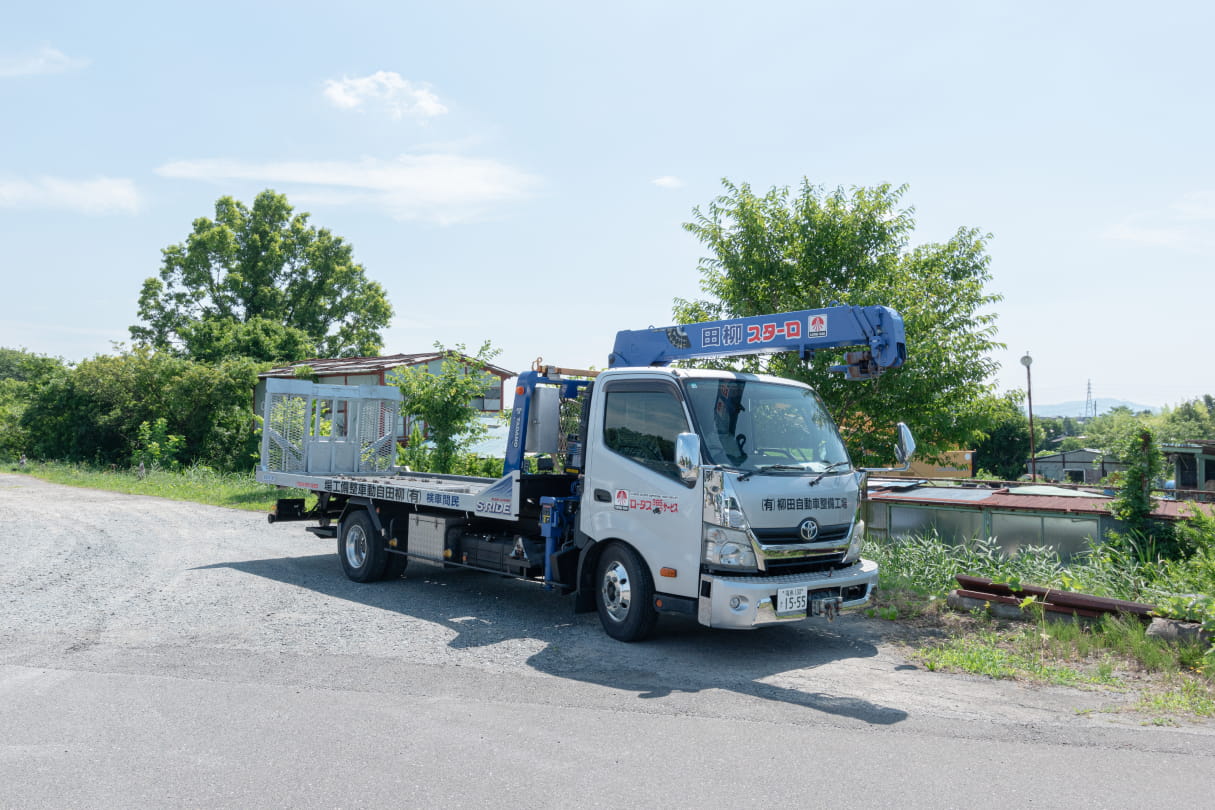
817,326
622,499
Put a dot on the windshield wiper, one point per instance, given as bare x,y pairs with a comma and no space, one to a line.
828,469
767,468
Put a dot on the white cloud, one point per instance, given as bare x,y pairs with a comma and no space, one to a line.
1196,206
667,181
44,61
386,90
442,188
1175,238
101,195
1184,226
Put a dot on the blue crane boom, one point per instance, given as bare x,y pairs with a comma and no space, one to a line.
879,329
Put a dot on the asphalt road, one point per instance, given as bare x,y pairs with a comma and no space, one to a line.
164,654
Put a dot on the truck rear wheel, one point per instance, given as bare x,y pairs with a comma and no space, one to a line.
624,594
361,549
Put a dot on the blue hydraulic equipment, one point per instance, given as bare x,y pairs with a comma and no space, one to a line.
556,513
880,329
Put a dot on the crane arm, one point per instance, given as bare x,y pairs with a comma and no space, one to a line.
879,329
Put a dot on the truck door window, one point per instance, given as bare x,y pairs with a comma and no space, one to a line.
641,424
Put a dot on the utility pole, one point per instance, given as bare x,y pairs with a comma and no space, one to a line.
1029,391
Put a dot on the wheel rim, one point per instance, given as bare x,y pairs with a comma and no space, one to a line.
356,546
617,591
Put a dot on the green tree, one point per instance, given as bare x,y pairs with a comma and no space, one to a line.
1193,420
1113,429
95,412
1004,448
783,251
1049,430
21,374
1144,466
443,401
261,282
25,366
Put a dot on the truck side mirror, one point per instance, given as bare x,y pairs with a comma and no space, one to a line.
687,457
905,448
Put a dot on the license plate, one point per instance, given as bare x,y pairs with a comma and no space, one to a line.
791,600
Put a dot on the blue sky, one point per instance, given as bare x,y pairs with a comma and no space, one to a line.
520,172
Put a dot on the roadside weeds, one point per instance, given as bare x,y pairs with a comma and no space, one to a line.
1171,683
196,484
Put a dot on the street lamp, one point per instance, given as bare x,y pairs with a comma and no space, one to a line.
1029,389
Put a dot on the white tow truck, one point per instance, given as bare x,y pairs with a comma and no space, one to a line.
643,489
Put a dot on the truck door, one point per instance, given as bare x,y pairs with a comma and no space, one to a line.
633,491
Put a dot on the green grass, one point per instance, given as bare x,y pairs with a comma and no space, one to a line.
1186,697
196,484
1172,679
1169,681
987,653
926,566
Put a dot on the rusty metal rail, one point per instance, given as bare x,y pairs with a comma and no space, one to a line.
1051,599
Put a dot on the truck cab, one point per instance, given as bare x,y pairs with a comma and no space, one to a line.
732,492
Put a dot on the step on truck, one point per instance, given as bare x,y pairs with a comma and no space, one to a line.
639,490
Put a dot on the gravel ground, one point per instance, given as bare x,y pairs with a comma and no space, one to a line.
111,578
117,585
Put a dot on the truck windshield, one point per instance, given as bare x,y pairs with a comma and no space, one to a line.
765,427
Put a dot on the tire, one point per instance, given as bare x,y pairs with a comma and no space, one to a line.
361,549
624,594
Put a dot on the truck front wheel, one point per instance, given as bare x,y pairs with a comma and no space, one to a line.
624,594
361,549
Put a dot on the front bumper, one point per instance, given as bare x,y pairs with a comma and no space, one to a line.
745,602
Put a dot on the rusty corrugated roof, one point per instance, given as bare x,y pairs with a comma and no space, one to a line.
1004,499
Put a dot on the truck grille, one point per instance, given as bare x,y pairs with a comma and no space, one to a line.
785,552
801,566
790,537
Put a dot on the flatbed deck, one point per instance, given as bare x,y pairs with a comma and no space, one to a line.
486,497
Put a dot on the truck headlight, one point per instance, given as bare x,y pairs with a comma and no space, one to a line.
728,548
858,540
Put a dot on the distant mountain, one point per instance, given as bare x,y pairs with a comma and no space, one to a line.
1075,409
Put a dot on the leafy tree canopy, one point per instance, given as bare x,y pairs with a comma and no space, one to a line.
443,400
21,373
24,366
1004,448
1114,428
1190,421
786,251
96,412
261,282
1118,427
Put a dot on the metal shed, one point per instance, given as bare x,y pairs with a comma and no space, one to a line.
1064,519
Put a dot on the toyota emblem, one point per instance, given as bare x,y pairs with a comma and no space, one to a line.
808,529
